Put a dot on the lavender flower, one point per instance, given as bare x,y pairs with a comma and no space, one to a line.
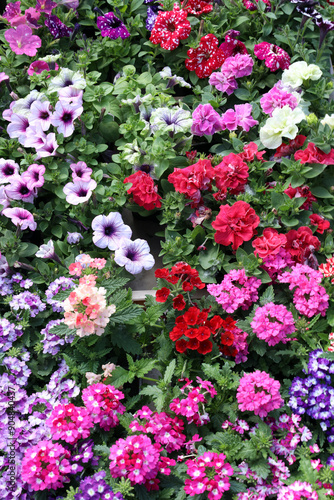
4,200
20,217
18,367
52,341
8,169
55,287
109,230
23,106
73,238
171,120
57,28
40,112
67,78
27,301
79,191
18,127
34,176
80,171
95,487
111,26
48,147
134,256
64,116
152,14
18,190
70,95
9,333
166,74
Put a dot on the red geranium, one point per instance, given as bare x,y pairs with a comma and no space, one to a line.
170,27
206,58
269,243
274,57
179,302
317,220
290,148
143,190
198,7
232,174
301,243
235,224
193,179
312,154
301,192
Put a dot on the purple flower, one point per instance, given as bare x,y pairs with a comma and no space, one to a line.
95,487
73,238
79,191
244,118
70,95
9,332
40,112
8,169
80,171
55,287
18,190
45,6
223,82
324,25
48,147
4,200
64,116
18,127
134,256
47,251
56,27
111,26
206,121
109,230
27,301
152,14
34,176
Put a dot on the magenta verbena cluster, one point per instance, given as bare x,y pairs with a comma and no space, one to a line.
258,392
103,403
69,423
273,323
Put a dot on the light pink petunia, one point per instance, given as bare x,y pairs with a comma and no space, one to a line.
20,217
64,116
22,41
79,191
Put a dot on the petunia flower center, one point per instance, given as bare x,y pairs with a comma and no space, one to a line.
171,27
109,230
44,115
114,23
8,170
67,117
24,190
82,193
131,255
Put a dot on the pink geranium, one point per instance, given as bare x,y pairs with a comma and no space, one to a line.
22,41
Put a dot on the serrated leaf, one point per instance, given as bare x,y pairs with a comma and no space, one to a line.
169,371
114,284
125,341
120,376
267,296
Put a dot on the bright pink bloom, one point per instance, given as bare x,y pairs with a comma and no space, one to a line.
277,98
64,116
238,65
45,6
244,118
231,174
103,403
275,58
21,217
223,82
34,176
273,323
22,41
229,120
206,121
69,423
258,392
297,490
37,67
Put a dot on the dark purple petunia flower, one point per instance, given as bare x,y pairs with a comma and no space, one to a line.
152,14
111,26
324,25
57,28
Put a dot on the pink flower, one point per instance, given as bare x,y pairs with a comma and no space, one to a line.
206,121
273,323
103,403
20,217
277,98
229,120
40,112
223,82
34,176
22,41
79,191
80,171
64,116
3,77
275,58
37,67
238,66
258,392
244,118
69,423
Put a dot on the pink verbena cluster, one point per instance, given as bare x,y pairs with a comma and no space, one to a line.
233,67
277,97
46,465
166,430
279,474
210,473
297,491
103,403
273,323
258,392
231,296
138,460
192,406
241,345
309,297
293,434
69,423
275,264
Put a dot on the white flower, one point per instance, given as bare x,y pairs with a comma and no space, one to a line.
299,72
67,78
22,106
46,251
171,120
281,124
166,73
328,120
50,58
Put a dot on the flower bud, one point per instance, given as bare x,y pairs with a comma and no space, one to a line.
312,119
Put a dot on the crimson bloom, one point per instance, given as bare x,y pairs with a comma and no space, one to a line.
321,223
198,7
275,58
143,190
206,58
312,154
170,27
235,224
22,41
301,243
231,173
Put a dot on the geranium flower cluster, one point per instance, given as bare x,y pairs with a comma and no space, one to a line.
236,290
166,430
193,405
273,323
309,297
236,66
138,460
69,423
258,392
210,473
103,403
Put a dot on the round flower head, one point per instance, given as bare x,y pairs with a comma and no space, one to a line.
134,256
111,26
103,403
69,423
206,121
170,28
109,230
64,116
275,58
273,323
258,392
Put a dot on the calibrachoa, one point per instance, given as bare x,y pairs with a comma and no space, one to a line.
103,403
258,392
210,473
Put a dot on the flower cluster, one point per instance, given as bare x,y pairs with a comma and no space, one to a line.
27,301
208,472
236,290
69,423
181,276
55,287
50,340
103,403
95,487
193,179
166,430
192,406
232,341
273,323
258,392
9,333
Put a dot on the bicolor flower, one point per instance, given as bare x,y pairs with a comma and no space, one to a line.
134,256
172,120
111,26
8,168
18,190
109,230
64,116
67,78
40,112
79,192
20,217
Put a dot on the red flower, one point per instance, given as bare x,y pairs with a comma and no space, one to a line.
312,154
198,7
301,192
227,338
301,243
317,220
253,6
203,333
187,287
251,152
191,316
206,58
193,344
232,46
232,174
179,303
290,148
161,273
143,190
205,347
193,179
269,243
191,333
181,345
235,224
162,294
170,27
275,58
176,333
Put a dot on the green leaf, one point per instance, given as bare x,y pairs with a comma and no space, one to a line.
315,170
120,376
114,284
259,347
169,371
28,250
124,340
321,192
330,316
267,296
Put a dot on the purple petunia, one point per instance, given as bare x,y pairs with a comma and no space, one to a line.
18,189
8,168
56,27
64,116
20,217
109,230
79,191
134,256
111,26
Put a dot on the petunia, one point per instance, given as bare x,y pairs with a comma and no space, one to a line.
70,95
275,58
170,28
109,230
45,6
48,148
172,120
40,112
34,176
22,41
67,78
57,28
112,27
283,123
8,169
23,106
20,217
64,116
80,171
18,127
205,58
134,256
79,192
73,238
18,190
166,74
